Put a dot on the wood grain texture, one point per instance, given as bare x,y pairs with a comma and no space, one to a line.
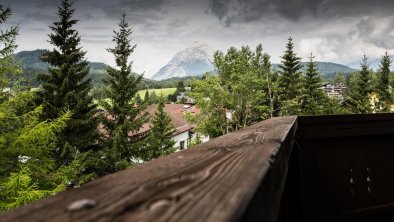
215,181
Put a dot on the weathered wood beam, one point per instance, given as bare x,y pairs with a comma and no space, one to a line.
215,181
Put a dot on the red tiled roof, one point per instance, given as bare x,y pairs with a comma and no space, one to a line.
175,112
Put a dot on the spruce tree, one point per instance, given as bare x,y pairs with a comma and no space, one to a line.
146,96
138,99
122,115
159,140
383,87
290,81
153,98
7,47
66,86
358,100
180,86
313,97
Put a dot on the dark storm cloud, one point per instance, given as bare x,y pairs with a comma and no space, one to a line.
144,5
46,10
139,7
239,11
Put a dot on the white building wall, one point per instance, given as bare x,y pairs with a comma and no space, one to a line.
185,137
181,137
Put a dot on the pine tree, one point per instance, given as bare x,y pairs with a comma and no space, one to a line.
181,86
290,81
7,47
153,98
65,86
124,116
159,140
138,99
383,87
146,96
358,100
313,97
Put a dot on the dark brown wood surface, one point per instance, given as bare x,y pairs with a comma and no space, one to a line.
347,167
215,181
334,126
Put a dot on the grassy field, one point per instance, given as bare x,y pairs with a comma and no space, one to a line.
165,92
159,92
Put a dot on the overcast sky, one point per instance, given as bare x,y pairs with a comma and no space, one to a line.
334,30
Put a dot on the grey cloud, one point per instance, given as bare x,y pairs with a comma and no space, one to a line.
239,11
95,28
219,8
37,29
39,16
178,23
143,5
144,8
96,38
377,31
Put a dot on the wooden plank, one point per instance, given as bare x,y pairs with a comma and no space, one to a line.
339,149
215,181
345,125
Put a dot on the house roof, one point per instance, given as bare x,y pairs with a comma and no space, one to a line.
175,112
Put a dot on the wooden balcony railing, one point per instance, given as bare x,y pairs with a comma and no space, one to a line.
325,168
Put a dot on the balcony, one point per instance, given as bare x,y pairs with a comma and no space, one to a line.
322,168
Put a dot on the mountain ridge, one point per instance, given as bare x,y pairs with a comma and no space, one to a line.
192,61
32,65
197,60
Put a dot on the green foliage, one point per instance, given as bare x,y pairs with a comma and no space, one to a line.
138,99
8,36
181,87
153,98
313,98
146,97
290,81
172,97
242,74
121,115
383,87
271,86
8,68
65,87
28,169
243,90
212,99
159,142
197,140
357,97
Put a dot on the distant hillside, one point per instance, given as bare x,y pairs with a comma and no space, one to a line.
373,63
31,59
326,69
32,66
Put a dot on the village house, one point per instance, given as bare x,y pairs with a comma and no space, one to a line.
334,90
184,133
